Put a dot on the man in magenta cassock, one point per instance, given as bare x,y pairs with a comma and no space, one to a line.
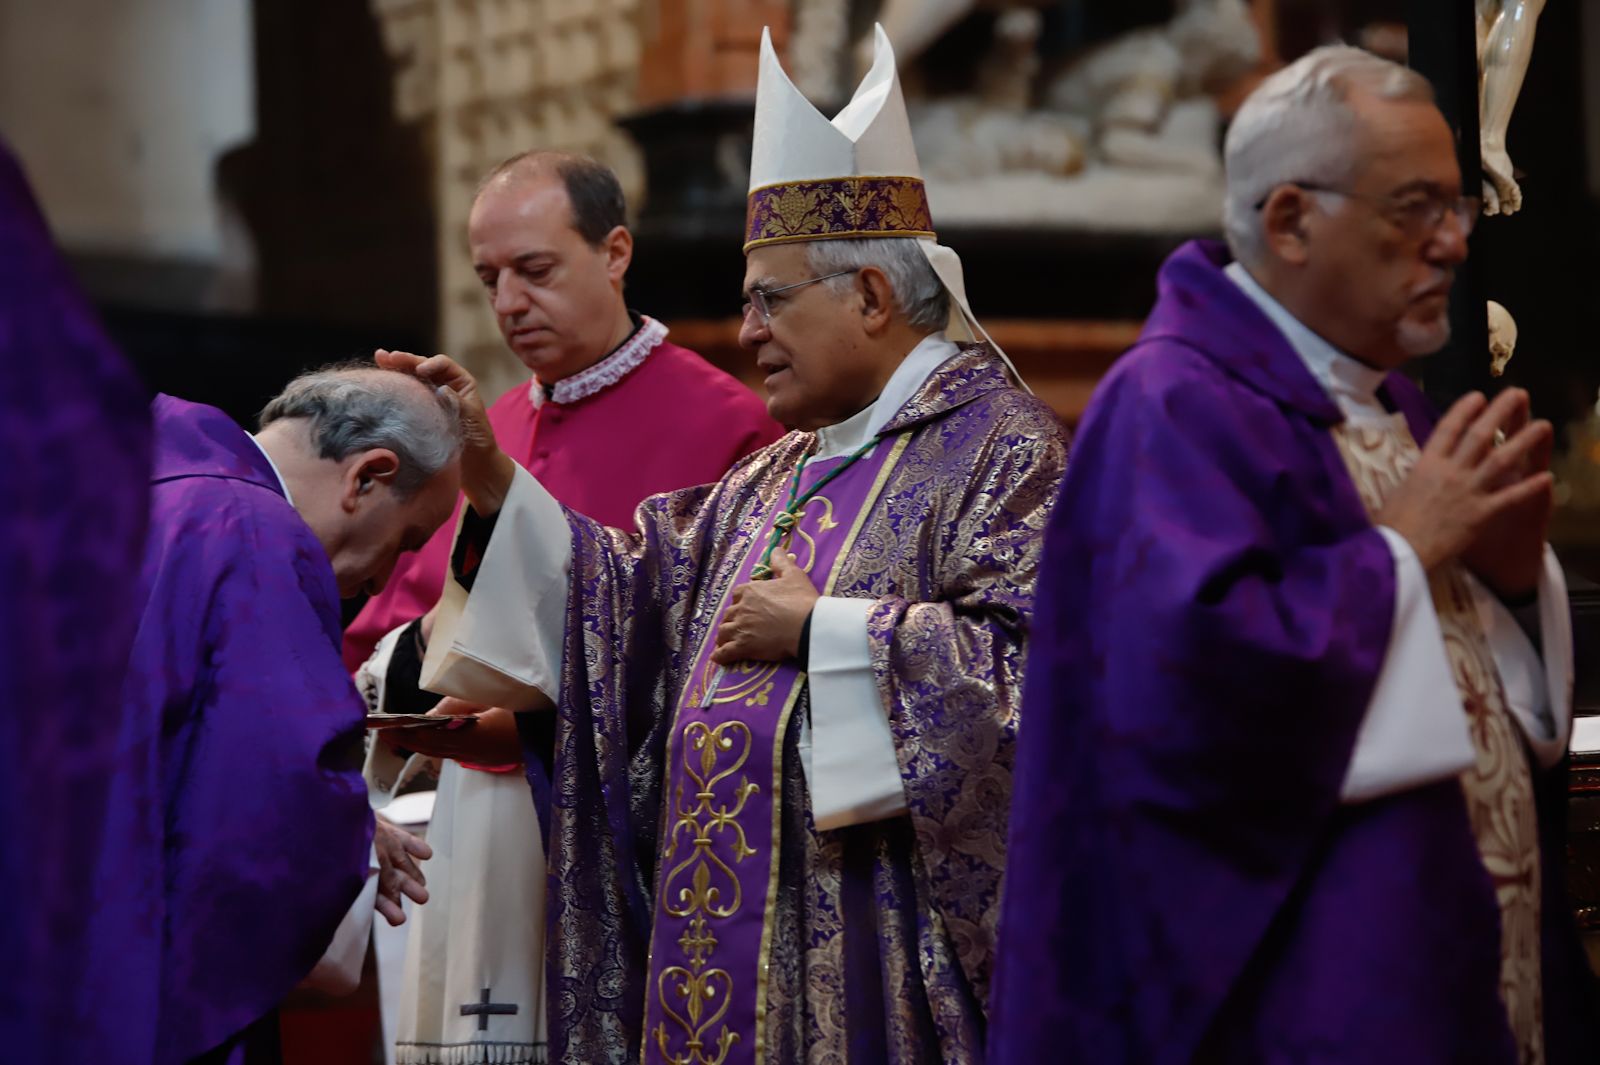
615,412
1291,783
243,811
75,424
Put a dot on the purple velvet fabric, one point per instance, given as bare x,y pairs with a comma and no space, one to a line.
243,828
74,429
1183,883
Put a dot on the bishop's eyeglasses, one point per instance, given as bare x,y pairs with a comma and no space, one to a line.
1417,212
761,298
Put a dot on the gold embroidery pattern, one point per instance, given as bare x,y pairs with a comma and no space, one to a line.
1499,788
749,681
713,889
752,681
837,207
775,1007
712,756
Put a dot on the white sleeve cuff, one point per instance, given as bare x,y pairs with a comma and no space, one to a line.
501,646
1555,646
338,971
1415,728
852,772
1555,641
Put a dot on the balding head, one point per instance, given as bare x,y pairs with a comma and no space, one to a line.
549,245
595,202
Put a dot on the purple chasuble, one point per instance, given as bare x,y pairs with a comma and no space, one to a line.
876,939
1214,608
75,430
724,783
246,826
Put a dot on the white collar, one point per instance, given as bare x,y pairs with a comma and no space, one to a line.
275,471
1352,385
628,357
931,352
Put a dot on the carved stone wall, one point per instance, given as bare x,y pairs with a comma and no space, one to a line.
491,78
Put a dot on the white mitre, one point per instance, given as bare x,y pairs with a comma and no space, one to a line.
854,177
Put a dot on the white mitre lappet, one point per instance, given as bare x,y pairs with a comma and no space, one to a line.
854,177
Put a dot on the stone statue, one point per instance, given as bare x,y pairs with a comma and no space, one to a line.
1505,44
1133,89
1124,137
995,130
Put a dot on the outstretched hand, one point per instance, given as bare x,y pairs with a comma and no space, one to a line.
481,737
765,618
485,470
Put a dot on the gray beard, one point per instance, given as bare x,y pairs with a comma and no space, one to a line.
1417,338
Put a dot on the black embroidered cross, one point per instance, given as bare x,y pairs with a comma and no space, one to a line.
483,1007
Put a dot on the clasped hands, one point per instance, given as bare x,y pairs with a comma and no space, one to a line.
765,618
1472,499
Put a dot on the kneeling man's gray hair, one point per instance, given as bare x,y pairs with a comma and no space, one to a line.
918,292
356,406
1298,126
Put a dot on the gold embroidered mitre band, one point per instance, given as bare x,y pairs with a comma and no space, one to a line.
837,208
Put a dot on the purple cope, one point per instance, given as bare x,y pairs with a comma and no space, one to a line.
1183,883
75,430
243,820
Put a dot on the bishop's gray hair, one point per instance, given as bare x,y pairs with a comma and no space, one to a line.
918,292
356,406
1298,126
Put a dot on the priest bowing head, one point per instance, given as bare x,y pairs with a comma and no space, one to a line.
371,461
243,728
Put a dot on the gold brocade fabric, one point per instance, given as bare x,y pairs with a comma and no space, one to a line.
1499,789
831,208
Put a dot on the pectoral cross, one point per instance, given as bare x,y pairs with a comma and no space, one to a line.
483,1007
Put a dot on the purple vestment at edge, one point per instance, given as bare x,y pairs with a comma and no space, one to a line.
74,429
1183,883
246,823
